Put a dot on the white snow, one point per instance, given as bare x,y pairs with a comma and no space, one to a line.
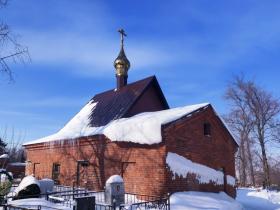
182,167
258,199
230,180
247,199
2,170
17,164
114,179
203,200
35,202
28,180
144,128
4,156
76,127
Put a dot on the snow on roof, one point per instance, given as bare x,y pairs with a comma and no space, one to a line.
182,167
78,126
144,128
114,179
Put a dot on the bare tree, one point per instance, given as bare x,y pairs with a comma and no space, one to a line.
241,122
262,109
10,49
13,144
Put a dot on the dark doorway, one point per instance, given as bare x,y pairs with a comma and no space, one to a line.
34,169
56,172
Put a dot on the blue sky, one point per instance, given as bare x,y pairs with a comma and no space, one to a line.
193,47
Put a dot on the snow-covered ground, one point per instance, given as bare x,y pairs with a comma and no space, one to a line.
35,202
247,199
258,199
202,200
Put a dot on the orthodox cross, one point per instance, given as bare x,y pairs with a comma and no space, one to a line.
122,32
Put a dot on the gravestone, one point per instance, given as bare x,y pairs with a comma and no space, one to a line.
46,185
85,203
29,187
114,190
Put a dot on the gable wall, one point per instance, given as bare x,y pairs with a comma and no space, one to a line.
186,138
150,101
146,175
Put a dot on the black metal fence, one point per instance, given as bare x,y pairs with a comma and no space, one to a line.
66,196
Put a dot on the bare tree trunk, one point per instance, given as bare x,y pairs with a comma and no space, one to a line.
250,161
243,164
264,162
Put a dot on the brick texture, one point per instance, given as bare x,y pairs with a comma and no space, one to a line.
143,167
186,138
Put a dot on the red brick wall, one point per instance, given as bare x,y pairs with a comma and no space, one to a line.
144,175
147,173
186,138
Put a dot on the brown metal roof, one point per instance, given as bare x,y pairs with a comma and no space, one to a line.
114,104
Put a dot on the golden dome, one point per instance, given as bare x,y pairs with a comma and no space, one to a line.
121,63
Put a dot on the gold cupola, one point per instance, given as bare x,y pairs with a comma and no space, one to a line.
121,64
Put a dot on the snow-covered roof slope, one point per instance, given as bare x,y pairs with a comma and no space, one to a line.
78,126
182,167
144,128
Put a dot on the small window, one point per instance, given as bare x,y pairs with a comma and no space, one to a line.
207,129
56,172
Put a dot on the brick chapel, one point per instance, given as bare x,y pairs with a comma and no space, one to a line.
131,131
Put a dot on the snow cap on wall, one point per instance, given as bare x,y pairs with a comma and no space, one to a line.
182,166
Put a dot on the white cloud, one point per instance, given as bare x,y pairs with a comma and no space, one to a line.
90,55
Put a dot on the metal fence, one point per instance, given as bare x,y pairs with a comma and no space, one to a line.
65,196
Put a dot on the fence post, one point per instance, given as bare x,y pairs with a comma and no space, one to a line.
73,189
168,201
114,204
